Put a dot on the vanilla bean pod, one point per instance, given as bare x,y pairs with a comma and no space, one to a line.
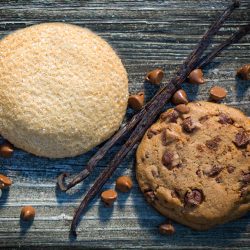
153,109
243,30
137,117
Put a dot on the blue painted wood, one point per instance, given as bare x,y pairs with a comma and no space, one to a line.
146,34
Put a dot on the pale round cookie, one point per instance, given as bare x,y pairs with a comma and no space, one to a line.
63,89
193,165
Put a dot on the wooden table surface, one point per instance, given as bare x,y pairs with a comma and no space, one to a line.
146,34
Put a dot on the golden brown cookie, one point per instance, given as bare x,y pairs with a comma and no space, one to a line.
195,167
63,89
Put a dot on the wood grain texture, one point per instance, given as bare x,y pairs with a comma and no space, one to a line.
146,34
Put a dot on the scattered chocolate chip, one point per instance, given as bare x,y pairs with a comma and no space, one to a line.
179,97
28,213
217,93
213,143
109,197
224,119
170,116
244,72
230,169
167,229
204,118
6,150
155,76
152,133
214,171
124,184
241,139
196,77
245,178
182,108
167,160
194,197
4,181
136,102
188,125
150,196
199,173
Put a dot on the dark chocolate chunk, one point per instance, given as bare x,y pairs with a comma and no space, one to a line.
224,119
214,171
188,125
230,169
203,118
170,116
167,159
246,178
150,196
213,143
164,137
175,193
155,173
199,173
241,139
152,133
218,179
244,191
194,197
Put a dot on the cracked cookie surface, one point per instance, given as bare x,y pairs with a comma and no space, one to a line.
195,167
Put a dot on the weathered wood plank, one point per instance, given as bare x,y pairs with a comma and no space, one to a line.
146,34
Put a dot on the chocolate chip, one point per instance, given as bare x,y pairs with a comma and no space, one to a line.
224,119
214,171
166,229
109,197
182,108
203,118
167,159
152,133
155,76
6,150
196,77
199,173
213,143
188,125
194,197
244,72
217,93
136,102
230,169
124,183
245,178
241,139
170,116
179,97
150,196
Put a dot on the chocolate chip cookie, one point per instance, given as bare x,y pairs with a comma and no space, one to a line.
194,166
